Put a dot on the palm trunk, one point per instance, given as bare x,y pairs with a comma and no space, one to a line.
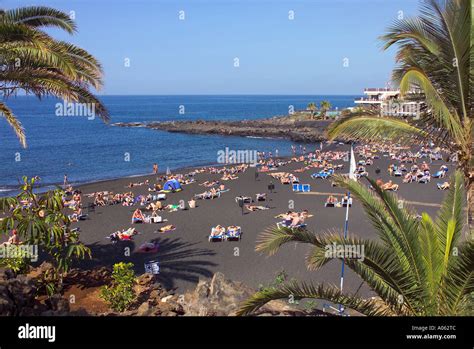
470,202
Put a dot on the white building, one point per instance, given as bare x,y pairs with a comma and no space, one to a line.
388,102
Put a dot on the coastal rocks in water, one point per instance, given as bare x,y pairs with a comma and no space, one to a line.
276,127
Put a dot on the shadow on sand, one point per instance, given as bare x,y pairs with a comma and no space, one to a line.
179,261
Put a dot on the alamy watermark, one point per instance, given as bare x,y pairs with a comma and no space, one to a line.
394,108
344,251
19,251
75,109
229,156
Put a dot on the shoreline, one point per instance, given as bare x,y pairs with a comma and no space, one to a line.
78,184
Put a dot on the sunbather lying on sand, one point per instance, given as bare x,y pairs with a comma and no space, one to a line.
228,177
137,184
304,213
294,219
255,208
123,235
167,228
217,230
148,247
389,186
443,186
209,184
155,206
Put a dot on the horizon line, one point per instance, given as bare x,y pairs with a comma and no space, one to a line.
196,94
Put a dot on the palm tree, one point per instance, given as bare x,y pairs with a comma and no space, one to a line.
312,107
324,106
435,57
416,267
35,63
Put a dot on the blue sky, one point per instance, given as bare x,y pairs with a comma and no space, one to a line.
196,55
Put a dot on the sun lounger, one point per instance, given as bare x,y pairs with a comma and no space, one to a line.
331,204
301,188
246,199
424,179
233,233
441,187
217,234
286,225
323,174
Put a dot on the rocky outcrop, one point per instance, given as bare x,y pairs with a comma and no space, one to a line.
152,300
276,127
219,296
17,295
216,296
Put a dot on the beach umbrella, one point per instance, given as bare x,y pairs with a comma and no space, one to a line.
352,176
352,167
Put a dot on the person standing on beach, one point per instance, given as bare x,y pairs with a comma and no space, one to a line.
276,153
65,183
155,168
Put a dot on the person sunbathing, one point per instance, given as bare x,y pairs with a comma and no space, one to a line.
124,235
228,177
288,218
331,200
233,230
217,230
14,239
77,215
346,200
213,193
167,228
296,220
148,247
409,177
138,216
389,186
443,186
99,200
155,206
255,208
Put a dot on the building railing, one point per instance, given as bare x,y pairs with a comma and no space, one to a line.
379,89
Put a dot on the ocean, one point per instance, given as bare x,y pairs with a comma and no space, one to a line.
89,150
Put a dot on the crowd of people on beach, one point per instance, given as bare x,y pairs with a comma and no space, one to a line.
411,166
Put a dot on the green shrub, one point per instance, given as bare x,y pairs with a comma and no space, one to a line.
120,294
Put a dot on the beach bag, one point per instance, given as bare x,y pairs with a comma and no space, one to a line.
157,219
192,204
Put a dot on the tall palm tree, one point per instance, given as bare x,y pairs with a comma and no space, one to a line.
312,107
35,63
324,106
416,267
435,56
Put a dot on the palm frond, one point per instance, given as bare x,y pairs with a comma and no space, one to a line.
14,123
39,16
373,129
297,291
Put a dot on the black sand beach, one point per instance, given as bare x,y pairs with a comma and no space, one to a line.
185,254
